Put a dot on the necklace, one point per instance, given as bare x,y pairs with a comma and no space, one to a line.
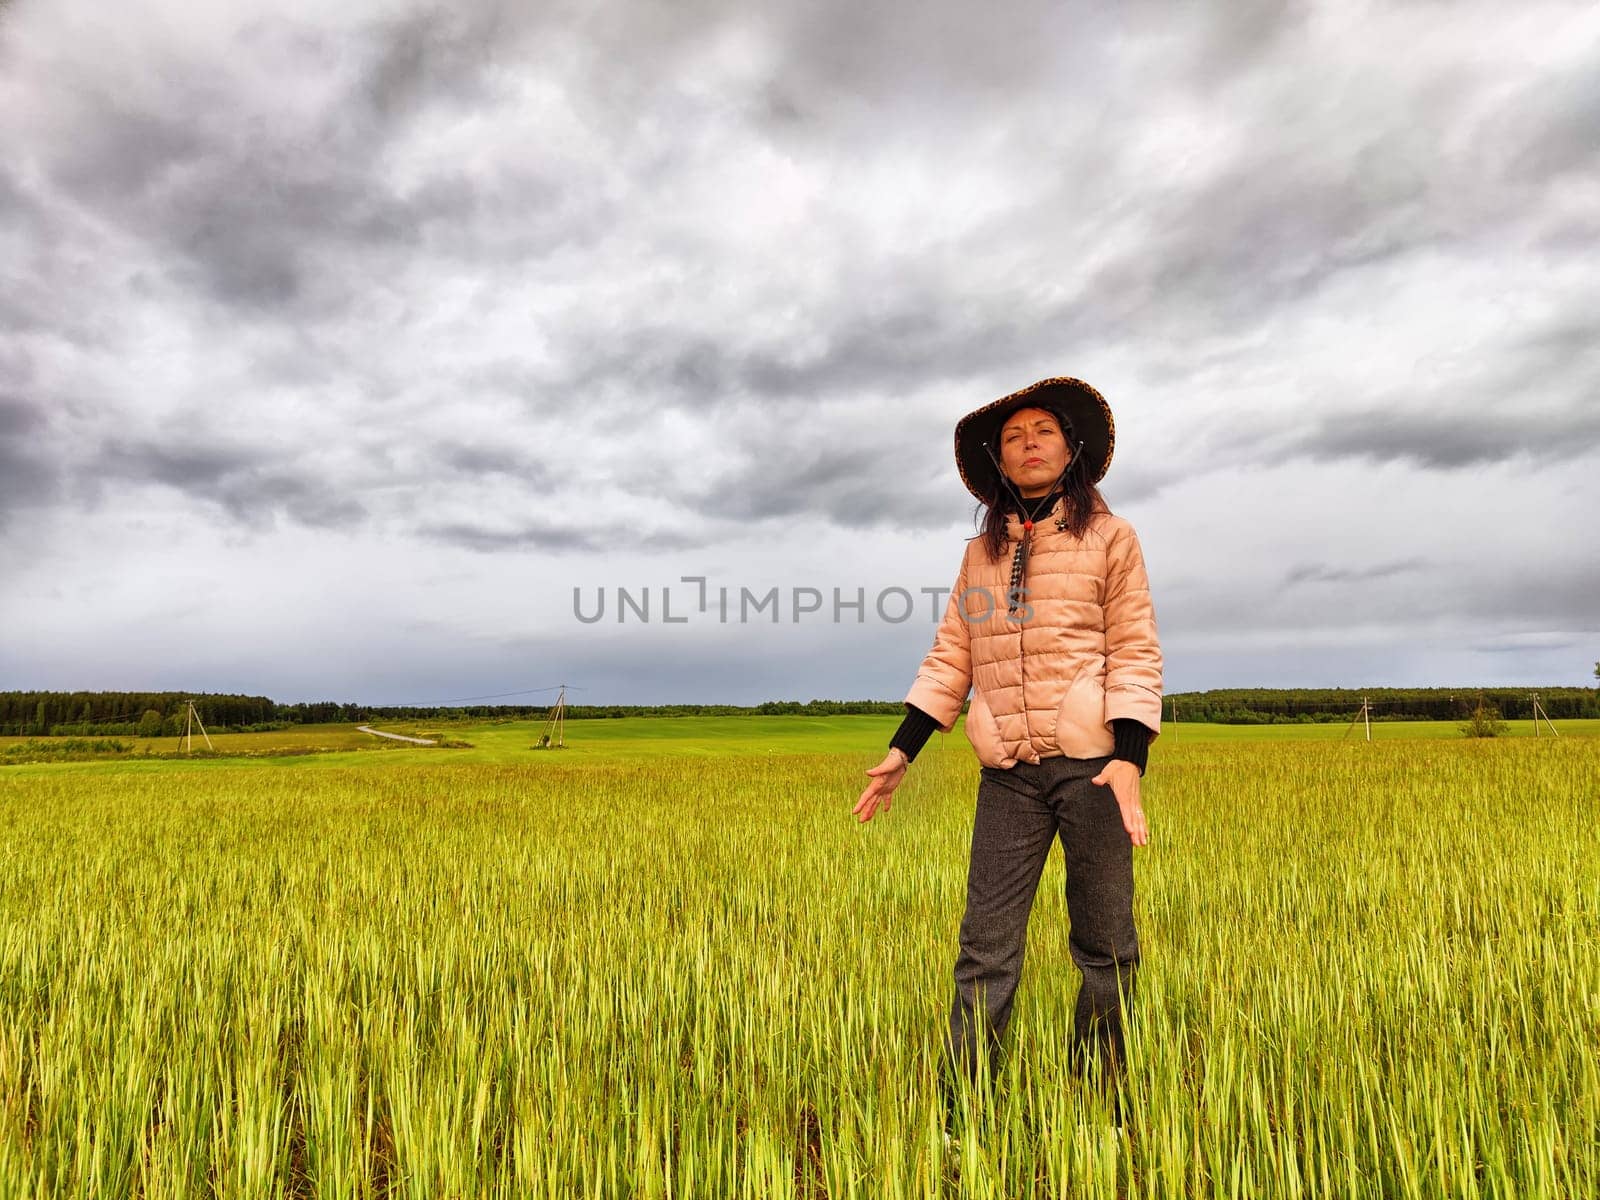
1019,559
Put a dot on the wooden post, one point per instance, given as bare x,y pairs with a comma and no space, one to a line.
1538,712
555,726
197,721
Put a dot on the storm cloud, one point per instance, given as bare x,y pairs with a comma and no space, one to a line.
481,299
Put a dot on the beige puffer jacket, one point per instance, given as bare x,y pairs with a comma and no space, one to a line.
1083,653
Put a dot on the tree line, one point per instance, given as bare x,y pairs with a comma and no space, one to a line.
1278,706
163,714
153,714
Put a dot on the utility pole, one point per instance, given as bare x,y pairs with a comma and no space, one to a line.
556,726
1538,712
191,719
1362,714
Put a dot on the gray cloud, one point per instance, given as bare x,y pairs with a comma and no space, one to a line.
16,201
1549,595
18,419
1316,599
794,476
1548,129
1451,440
1324,573
875,333
239,217
573,534
428,55
495,460
250,485
1525,643
286,214
27,480
541,536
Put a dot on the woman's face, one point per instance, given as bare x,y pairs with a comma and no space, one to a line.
1033,450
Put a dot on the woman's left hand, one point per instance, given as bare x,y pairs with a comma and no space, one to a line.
1123,779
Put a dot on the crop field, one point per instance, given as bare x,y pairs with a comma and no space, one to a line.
668,962
633,739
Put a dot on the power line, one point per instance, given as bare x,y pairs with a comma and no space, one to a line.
431,703
554,687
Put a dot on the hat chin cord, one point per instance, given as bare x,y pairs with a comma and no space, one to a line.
1022,503
1019,559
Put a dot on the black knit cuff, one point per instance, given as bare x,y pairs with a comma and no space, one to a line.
1133,742
914,732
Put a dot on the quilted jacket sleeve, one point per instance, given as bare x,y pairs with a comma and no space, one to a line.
945,677
1133,651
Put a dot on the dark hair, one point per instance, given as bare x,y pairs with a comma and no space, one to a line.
1081,497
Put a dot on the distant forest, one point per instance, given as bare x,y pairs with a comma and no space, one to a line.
162,714
1298,706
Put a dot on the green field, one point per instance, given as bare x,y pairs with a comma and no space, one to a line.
667,961
512,741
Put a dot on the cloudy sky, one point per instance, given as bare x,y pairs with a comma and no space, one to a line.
340,344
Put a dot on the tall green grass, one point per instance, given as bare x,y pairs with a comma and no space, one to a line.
1370,970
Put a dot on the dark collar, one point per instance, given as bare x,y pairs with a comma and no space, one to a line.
1040,506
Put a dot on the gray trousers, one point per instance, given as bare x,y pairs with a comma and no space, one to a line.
1020,811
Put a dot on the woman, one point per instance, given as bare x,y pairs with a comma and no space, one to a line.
1050,626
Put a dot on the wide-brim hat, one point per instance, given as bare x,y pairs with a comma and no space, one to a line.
1085,408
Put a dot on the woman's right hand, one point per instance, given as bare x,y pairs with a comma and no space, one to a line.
886,776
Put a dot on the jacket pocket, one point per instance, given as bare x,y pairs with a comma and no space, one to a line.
1081,730
983,731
